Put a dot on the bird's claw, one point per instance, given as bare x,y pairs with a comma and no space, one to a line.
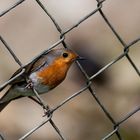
29,85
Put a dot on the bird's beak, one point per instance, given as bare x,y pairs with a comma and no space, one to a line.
80,58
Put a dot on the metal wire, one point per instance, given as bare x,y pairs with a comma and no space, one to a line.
49,111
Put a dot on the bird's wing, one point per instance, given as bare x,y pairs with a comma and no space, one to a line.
29,68
40,63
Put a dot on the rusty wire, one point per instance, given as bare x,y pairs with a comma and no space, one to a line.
49,111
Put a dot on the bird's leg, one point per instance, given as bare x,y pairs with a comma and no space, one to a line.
29,84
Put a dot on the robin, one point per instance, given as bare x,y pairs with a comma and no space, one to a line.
44,74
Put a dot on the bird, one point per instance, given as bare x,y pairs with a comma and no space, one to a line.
44,74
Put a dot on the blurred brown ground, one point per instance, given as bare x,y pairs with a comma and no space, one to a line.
29,31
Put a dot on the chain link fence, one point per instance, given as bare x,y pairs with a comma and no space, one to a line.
88,82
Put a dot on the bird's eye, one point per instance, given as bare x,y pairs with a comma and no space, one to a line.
65,55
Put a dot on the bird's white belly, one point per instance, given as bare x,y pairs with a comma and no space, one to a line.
37,84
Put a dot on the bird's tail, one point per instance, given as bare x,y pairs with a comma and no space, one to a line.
14,92
8,97
3,101
3,105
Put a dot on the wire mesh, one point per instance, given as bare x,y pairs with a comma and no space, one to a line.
49,111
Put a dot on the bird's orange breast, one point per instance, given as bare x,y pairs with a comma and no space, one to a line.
54,74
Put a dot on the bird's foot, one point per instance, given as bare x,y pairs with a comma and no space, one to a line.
29,85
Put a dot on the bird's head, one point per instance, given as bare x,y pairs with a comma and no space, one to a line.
64,56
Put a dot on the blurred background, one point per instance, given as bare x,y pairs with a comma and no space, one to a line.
29,31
